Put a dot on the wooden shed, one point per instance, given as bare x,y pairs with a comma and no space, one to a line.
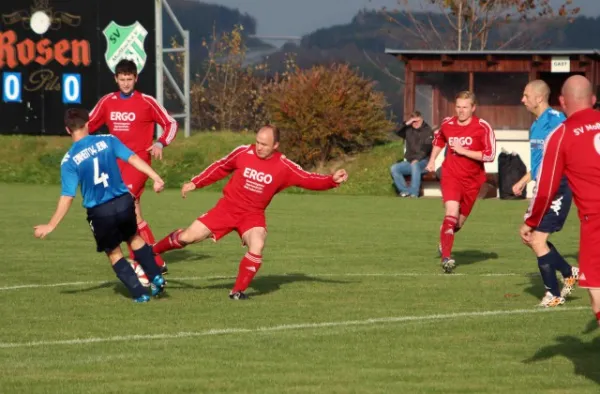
497,78
432,79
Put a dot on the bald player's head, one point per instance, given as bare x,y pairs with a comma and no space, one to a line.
535,96
577,94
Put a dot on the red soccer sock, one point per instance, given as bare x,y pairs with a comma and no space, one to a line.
131,255
249,266
169,242
447,235
598,317
148,237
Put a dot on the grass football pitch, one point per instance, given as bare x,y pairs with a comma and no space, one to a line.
350,299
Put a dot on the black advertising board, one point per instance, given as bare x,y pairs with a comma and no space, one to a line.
56,54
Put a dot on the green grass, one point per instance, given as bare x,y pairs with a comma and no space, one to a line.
36,160
350,299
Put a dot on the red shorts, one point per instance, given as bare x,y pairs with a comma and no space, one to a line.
464,192
133,178
223,219
589,252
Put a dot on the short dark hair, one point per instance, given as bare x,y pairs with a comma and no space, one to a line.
126,67
416,114
76,118
275,130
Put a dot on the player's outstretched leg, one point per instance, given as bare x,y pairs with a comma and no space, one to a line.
179,239
595,298
170,242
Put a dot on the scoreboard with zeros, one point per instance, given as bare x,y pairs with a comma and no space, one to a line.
56,54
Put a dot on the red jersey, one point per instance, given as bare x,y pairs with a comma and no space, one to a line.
572,149
132,120
478,135
255,181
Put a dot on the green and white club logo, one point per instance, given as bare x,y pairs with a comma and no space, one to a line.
125,42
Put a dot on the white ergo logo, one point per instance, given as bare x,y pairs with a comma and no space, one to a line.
258,176
462,141
123,116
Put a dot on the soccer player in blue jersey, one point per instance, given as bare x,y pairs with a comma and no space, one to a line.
535,98
92,163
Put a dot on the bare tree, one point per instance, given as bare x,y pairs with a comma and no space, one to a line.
467,24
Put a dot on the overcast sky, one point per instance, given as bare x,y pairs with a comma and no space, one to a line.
299,17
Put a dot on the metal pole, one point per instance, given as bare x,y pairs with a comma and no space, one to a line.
158,6
186,83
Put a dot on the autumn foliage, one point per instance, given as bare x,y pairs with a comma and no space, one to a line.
326,112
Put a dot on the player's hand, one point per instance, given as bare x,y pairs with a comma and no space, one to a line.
159,185
430,167
186,188
518,187
458,148
156,150
41,230
526,233
340,176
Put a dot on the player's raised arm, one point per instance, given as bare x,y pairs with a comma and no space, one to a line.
311,180
219,169
548,180
98,115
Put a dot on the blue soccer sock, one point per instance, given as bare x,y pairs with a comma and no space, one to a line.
127,275
145,257
558,262
548,274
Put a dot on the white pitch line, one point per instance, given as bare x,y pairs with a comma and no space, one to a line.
192,278
283,327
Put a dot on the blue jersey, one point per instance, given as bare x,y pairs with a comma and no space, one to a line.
92,163
540,129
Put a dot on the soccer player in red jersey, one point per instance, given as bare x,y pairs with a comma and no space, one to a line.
472,142
259,172
573,149
131,116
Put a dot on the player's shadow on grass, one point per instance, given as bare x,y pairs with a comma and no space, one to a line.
466,257
120,289
583,355
183,255
263,285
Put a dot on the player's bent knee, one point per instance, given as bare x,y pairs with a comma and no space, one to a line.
196,232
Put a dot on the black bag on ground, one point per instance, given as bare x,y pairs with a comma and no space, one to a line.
510,169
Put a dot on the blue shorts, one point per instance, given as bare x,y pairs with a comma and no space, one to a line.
554,220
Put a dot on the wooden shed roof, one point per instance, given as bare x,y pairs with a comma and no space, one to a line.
517,53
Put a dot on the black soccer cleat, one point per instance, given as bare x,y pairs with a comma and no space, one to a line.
164,270
238,295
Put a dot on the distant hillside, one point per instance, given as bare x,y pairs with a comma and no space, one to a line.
200,19
362,42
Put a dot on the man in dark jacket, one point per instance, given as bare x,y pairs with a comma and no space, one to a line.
418,137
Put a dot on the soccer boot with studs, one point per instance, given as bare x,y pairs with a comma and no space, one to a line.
157,286
238,295
551,301
569,282
448,265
